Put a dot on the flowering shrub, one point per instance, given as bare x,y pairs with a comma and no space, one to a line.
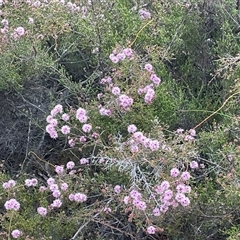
122,167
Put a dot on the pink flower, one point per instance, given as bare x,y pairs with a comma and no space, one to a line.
192,132
148,67
16,233
11,183
126,199
80,111
82,139
117,189
193,164
87,128
174,172
57,109
144,14
6,185
20,31
59,169
12,204
116,90
71,142
132,128
65,117
151,230
28,182
71,197
65,129
57,203
135,194
64,186
185,202
80,197
185,176
42,211
156,212
56,193
154,145
53,187
50,181
84,161
179,197
134,148
70,165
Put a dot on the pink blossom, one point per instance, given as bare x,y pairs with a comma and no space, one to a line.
19,31
121,56
148,67
132,128
144,14
80,197
80,111
57,203
71,197
117,189
185,176
53,187
174,172
28,182
56,193
151,230
70,165
16,233
185,202
82,118
12,204
128,52
57,109
59,169
179,197
192,132
53,134
154,145
84,161
134,148
87,128
180,131
193,164
71,142
64,186
126,199
82,139
116,90
50,181
65,117
135,194
6,185
156,212
42,211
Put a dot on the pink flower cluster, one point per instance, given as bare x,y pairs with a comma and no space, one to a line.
10,184
120,55
31,182
16,233
149,89
124,102
135,198
138,140
144,14
189,136
12,204
78,197
42,211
